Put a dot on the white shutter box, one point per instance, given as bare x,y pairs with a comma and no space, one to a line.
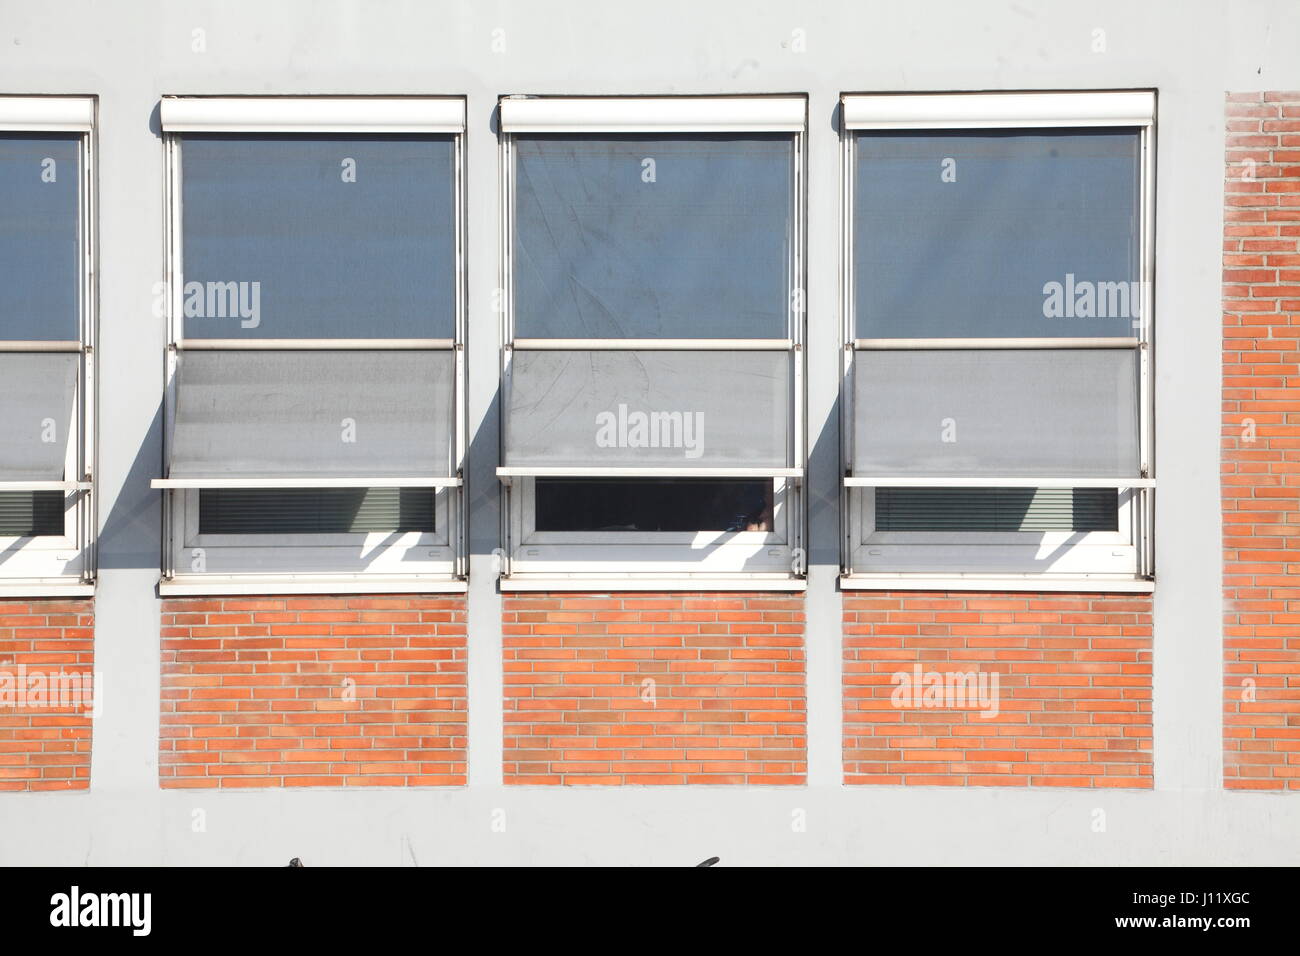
676,114
311,114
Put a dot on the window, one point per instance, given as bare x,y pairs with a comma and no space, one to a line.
315,377
997,321
652,377
47,328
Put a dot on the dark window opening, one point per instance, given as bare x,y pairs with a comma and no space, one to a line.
654,504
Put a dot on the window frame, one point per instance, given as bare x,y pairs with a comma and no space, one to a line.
65,564
1088,552
360,562
772,560
1121,560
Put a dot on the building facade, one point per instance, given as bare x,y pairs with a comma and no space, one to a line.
521,433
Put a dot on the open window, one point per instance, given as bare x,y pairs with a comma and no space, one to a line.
998,338
47,327
652,374
315,407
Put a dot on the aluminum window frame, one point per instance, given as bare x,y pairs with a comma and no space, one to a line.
664,560
1121,560
360,562
360,553
54,565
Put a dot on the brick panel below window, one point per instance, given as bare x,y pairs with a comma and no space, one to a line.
47,664
1070,705
645,688
313,691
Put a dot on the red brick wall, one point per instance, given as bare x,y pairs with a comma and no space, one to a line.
1074,691
725,704
256,692
46,748
1261,442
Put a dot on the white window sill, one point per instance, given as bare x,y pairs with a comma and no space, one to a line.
212,585
996,582
46,589
521,582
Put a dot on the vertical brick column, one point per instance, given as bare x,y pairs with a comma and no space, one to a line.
1261,442
647,688
1071,706
313,691
47,663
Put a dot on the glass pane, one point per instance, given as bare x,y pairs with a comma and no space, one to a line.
315,510
1044,412
997,509
293,236
962,233
37,404
40,271
653,504
683,236
648,409
24,513
360,414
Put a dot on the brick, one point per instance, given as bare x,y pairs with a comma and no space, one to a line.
728,689
47,747
1057,658
244,708
1260,503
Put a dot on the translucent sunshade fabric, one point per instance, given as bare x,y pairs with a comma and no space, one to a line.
960,234
345,236
37,402
285,414
673,236
648,408
40,180
1030,413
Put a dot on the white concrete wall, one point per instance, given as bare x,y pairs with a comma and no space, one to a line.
130,54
